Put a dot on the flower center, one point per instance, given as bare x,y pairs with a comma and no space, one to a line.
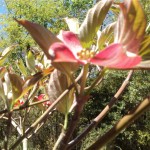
85,54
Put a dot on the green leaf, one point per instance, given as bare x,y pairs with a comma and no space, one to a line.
106,36
5,53
16,84
22,67
30,61
144,65
43,37
131,25
73,24
2,93
145,48
58,83
115,9
92,22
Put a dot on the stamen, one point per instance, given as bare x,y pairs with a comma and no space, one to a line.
86,54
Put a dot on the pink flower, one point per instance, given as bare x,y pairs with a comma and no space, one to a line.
70,50
43,97
18,103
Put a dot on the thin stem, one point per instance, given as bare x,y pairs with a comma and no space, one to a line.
25,143
121,125
68,133
83,79
24,106
62,134
66,121
103,112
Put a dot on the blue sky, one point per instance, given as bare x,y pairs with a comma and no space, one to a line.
3,10
2,7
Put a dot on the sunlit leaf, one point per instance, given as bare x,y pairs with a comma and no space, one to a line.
30,61
41,35
73,24
57,85
5,53
48,71
30,82
144,65
2,93
145,48
106,36
131,25
21,67
92,22
115,9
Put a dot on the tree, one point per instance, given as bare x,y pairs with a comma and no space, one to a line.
50,14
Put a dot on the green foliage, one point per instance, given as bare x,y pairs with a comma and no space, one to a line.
138,88
48,13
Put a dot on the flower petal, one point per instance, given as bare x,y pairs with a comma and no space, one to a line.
71,41
115,57
61,53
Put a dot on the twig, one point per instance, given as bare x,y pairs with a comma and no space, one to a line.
24,106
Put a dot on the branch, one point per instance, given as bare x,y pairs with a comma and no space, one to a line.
121,125
103,113
24,106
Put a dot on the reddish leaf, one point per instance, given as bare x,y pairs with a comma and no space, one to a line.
57,85
16,84
41,35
